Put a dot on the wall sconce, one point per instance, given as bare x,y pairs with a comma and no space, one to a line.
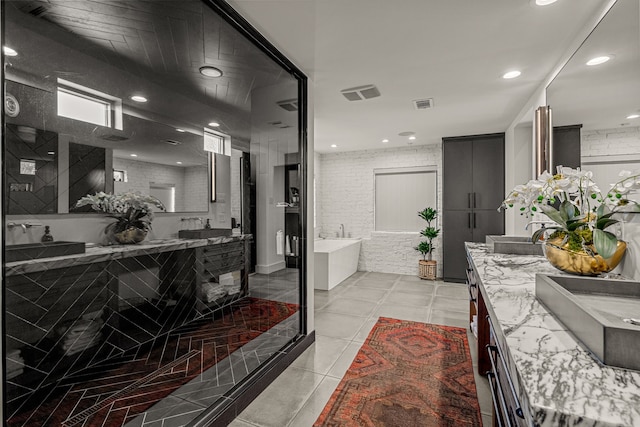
543,140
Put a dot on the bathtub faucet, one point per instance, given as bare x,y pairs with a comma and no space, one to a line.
342,230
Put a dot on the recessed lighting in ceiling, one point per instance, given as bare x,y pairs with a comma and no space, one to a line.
633,116
412,137
214,124
544,2
180,130
511,74
334,146
384,141
406,133
51,153
133,155
138,98
179,163
209,71
8,51
598,60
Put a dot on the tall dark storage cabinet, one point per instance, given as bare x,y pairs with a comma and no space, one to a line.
473,189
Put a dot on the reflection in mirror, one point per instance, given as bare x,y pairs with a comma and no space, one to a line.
604,98
111,96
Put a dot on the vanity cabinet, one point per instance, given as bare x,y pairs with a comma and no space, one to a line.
213,261
473,189
65,312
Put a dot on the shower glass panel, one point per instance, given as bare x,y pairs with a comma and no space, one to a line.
168,331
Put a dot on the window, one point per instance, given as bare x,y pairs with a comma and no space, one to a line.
217,142
27,167
88,105
400,193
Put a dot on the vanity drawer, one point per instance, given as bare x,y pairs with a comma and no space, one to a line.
223,265
508,411
223,248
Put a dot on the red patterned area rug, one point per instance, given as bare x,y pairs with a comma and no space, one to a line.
407,374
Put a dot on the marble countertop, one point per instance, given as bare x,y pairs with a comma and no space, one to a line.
100,253
560,383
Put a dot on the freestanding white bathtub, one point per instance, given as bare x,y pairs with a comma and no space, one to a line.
334,261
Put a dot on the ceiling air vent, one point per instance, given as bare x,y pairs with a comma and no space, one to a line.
279,125
113,137
288,104
361,92
171,142
423,104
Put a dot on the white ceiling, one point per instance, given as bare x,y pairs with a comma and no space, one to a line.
454,51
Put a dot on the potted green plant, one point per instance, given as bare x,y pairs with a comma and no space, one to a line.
132,211
427,266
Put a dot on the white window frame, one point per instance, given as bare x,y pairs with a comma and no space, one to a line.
408,170
222,146
113,118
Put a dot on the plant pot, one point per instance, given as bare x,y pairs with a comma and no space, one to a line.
427,269
130,236
580,262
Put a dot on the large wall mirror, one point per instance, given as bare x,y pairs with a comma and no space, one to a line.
98,102
604,98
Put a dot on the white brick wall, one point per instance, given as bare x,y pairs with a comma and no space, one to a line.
345,195
610,142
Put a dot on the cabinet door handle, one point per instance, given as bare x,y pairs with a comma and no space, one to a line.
474,220
494,400
474,199
491,349
469,220
469,286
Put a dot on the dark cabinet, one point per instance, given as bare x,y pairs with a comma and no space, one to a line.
473,189
566,146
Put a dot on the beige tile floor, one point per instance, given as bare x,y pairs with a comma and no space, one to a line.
344,317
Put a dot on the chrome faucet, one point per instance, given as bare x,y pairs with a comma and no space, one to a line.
23,225
543,223
342,230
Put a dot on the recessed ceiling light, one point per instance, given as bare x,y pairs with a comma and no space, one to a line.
511,74
209,71
333,145
412,137
138,98
545,2
385,141
51,153
633,116
598,60
180,130
8,51
179,163
133,155
214,124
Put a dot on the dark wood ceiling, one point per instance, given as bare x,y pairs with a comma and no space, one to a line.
155,47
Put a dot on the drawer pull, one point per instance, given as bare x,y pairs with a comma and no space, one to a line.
469,286
498,418
518,409
491,349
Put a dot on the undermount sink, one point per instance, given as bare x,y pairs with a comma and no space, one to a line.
42,250
594,310
204,233
516,245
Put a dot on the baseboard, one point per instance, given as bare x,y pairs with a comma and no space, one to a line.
271,268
